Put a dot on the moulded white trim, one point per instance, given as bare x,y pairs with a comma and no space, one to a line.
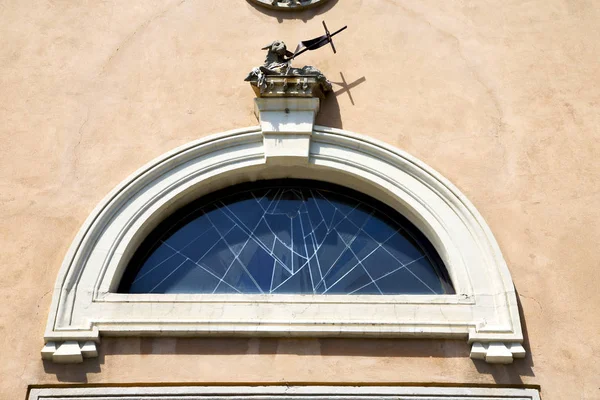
285,393
84,304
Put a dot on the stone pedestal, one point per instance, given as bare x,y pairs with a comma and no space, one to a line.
292,86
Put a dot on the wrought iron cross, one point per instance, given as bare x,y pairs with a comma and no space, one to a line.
318,42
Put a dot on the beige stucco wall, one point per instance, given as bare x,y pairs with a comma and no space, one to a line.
500,97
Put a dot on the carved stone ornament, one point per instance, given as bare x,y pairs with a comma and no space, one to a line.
288,5
277,78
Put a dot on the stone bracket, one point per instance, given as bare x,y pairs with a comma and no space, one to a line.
69,352
497,352
287,126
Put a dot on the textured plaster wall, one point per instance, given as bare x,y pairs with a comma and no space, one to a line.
501,97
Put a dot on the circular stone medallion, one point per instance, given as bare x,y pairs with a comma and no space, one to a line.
288,5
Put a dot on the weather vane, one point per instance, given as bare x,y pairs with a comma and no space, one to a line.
278,63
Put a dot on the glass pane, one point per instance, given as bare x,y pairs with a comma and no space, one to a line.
286,236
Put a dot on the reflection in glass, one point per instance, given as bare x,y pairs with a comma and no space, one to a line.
286,236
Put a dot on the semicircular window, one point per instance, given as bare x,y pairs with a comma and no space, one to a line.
286,237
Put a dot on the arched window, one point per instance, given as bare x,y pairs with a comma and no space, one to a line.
111,282
286,236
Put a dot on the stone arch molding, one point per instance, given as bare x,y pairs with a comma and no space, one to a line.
85,305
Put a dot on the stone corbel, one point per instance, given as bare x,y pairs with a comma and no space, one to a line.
69,352
287,125
497,352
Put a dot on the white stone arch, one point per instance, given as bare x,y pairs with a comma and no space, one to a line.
85,306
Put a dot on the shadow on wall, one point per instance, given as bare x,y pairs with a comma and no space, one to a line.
387,348
345,87
304,16
330,114
377,348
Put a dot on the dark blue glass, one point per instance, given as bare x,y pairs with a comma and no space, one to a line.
286,236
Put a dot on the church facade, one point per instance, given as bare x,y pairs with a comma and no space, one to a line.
401,206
